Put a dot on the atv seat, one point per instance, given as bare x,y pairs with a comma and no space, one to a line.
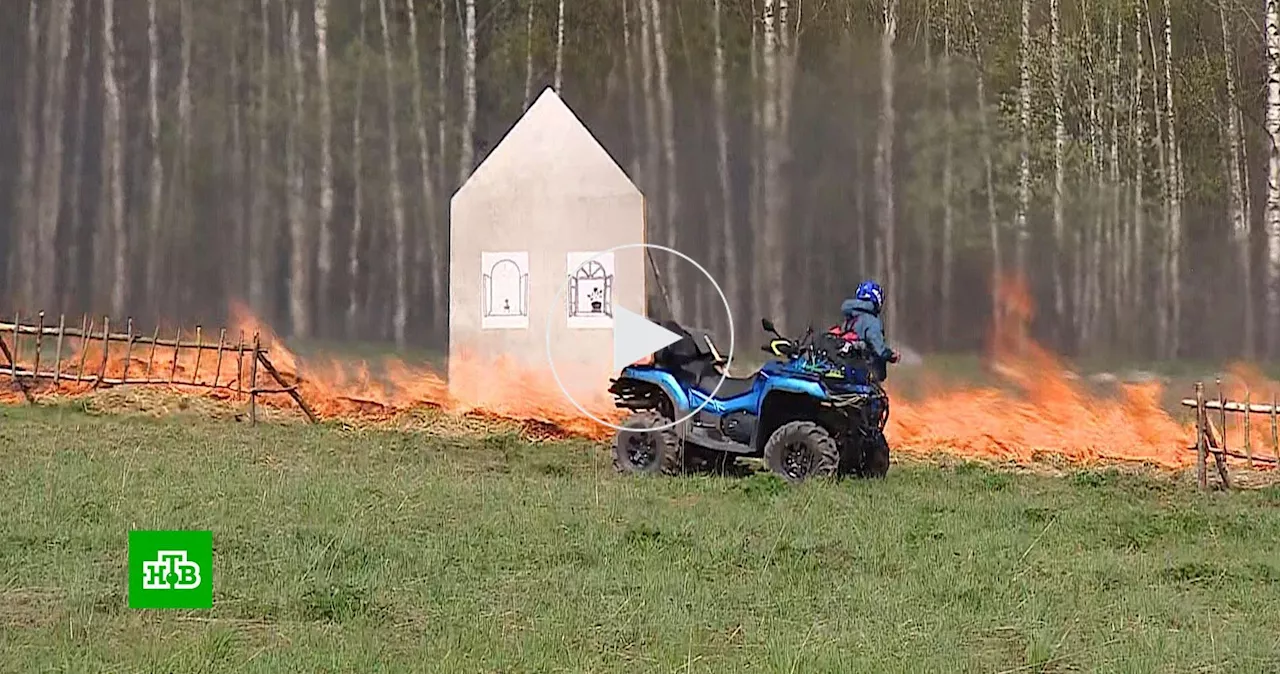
697,361
732,386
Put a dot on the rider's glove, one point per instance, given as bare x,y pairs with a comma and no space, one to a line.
894,356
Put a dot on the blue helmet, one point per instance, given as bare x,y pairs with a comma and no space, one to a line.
870,291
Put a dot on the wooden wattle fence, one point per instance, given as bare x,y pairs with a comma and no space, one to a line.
129,345
1212,437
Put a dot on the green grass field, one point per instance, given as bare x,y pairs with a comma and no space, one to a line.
340,550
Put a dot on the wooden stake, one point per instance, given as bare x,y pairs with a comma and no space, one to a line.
240,364
1202,432
173,369
1222,407
199,350
17,346
1248,430
13,371
84,350
57,351
35,371
151,355
292,390
253,382
106,348
128,350
1219,457
217,372
1275,436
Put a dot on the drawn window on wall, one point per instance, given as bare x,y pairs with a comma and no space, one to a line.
504,290
590,290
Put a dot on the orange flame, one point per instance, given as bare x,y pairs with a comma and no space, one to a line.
1049,414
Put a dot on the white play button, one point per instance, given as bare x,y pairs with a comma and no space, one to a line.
636,337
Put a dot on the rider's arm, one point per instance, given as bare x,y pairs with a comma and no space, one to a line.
847,306
875,338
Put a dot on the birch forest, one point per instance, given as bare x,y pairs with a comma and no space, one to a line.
162,158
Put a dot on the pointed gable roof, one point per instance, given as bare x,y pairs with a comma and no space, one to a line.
549,146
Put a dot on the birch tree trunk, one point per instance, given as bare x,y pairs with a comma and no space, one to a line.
770,248
467,158
442,100
357,191
179,210
1114,254
948,175
1021,231
1247,205
299,258
400,313
53,118
728,247
429,250
71,290
1085,287
112,212
634,117
1174,155
528,51
757,193
24,252
560,48
1059,172
1235,180
671,215
1137,278
154,253
1161,165
324,257
260,253
235,275
1273,176
780,198
884,157
651,178
988,162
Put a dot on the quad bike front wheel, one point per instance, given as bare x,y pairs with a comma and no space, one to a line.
874,456
646,451
802,450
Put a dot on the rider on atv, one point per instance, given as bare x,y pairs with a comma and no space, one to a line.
862,323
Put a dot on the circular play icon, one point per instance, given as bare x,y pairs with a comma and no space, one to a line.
588,295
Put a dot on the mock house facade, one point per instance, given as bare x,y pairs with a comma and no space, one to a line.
534,221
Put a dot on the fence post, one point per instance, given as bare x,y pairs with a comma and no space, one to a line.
1248,429
35,369
57,351
253,382
1202,416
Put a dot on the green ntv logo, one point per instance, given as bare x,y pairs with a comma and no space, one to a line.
170,569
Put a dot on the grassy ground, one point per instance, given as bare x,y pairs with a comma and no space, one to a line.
363,550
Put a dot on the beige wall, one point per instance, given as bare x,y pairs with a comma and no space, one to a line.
548,189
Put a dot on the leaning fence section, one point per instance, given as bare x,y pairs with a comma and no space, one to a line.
1257,424
84,355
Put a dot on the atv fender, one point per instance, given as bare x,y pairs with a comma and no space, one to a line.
790,400
785,384
664,381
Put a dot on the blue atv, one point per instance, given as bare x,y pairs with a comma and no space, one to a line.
813,411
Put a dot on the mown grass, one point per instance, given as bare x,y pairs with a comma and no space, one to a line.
364,550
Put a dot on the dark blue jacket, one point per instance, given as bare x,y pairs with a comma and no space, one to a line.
862,317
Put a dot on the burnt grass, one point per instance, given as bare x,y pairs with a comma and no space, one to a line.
342,548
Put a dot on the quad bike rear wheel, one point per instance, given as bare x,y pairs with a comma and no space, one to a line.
802,450
646,451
